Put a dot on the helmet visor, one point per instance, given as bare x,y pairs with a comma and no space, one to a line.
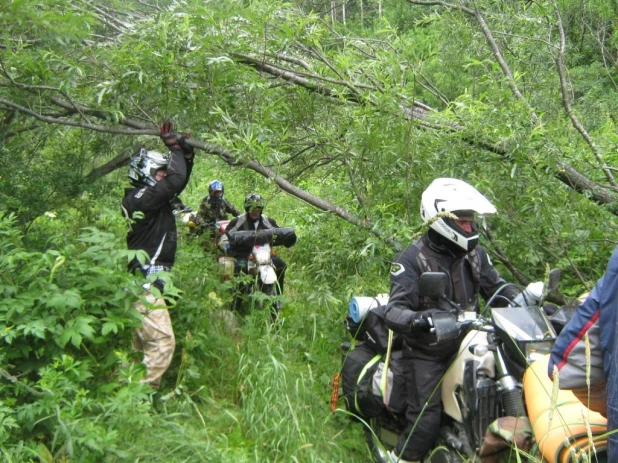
466,222
466,216
254,205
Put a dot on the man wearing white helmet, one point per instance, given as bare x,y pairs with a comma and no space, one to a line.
450,246
157,179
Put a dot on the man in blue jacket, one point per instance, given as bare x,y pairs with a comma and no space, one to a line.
597,317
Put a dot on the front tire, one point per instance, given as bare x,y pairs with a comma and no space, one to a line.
275,306
381,437
443,454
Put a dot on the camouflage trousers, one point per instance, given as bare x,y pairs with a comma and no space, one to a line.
155,338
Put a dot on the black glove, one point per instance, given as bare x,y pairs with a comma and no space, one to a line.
441,323
422,320
174,140
550,309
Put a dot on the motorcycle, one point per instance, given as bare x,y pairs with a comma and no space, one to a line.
188,219
260,263
221,241
218,242
484,381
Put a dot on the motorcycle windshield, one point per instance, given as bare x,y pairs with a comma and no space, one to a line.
523,323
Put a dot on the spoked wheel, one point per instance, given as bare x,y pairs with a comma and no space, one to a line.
269,290
382,437
443,454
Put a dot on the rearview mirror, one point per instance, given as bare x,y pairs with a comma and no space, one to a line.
433,285
553,279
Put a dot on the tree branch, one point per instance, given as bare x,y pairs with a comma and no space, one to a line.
444,4
290,76
520,277
121,160
210,148
84,125
562,171
357,192
567,105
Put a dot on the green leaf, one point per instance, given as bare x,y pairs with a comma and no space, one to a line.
68,299
76,330
109,327
37,328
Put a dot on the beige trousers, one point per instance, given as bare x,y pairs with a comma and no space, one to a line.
155,338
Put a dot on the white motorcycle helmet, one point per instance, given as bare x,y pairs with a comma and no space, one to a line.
144,165
459,198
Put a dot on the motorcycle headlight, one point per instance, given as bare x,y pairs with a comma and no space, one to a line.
262,257
536,350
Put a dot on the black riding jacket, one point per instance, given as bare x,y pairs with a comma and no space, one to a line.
470,274
155,232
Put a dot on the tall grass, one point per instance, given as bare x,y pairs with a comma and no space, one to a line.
243,391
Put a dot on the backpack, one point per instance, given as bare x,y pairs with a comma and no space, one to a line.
362,383
372,330
359,365
393,390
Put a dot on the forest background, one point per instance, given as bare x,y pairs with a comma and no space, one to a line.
339,114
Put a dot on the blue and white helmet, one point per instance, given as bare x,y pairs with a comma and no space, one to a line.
215,185
461,199
144,165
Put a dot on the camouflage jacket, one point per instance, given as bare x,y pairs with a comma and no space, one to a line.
209,213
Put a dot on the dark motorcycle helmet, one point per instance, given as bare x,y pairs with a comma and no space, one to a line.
213,187
144,165
253,201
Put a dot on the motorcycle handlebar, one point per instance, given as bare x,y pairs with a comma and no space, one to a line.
421,323
480,323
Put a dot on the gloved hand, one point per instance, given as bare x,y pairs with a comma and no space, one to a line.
442,324
167,134
422,320
174,140
550,309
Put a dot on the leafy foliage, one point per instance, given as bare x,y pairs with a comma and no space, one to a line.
359,108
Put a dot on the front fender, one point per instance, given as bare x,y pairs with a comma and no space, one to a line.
267,274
